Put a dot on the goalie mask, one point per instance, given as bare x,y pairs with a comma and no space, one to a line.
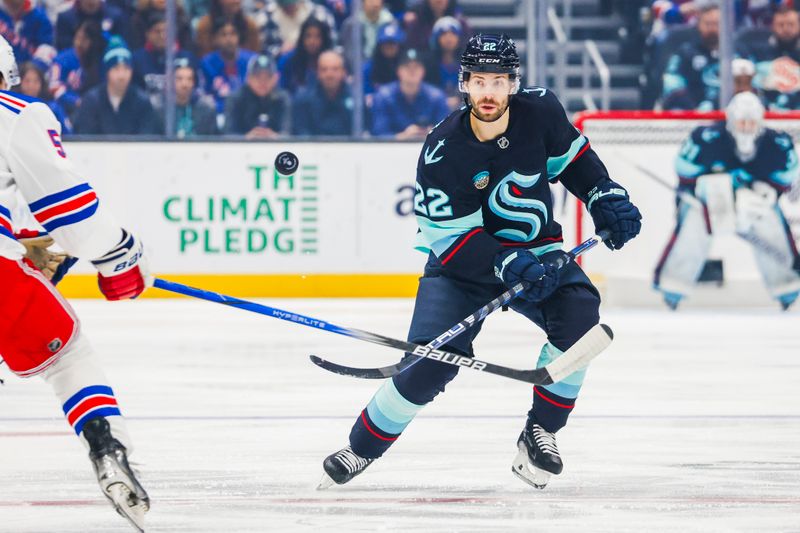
8,64
744,120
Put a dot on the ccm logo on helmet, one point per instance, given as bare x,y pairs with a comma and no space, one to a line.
488,60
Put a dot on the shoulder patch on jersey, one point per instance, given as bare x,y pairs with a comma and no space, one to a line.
430,156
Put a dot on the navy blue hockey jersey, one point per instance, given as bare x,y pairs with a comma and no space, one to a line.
474,198
711,149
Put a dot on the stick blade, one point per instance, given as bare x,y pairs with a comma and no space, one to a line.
581,353
363,373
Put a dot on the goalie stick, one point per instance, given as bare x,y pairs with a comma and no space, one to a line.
390,370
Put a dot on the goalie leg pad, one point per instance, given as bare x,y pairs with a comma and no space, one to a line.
685,254
775,253
38,324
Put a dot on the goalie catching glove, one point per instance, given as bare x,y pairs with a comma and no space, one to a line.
611,210
122,273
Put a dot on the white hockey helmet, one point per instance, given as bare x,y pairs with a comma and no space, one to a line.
744,120
8,64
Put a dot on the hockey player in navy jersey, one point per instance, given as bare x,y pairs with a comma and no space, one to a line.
485,214
753,165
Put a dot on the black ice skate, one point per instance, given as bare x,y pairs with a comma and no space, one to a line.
342,466
538,456
114,475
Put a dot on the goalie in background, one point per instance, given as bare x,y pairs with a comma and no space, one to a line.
731,175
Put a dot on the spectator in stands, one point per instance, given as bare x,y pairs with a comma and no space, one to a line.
116,107
194,114
373,16
223,71
777,61
445,59
25,27
32,83
109,18
283,19
743,72
419,21
691,79
381,69
260,109
150,61
226,11
325,108
78,69
298,68
142,18
195,10
408,108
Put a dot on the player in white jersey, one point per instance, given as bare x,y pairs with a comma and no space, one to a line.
39,332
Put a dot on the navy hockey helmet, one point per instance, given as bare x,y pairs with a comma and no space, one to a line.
490,52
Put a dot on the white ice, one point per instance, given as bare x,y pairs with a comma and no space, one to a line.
689,422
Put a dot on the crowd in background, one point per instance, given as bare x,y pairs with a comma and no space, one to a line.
268,68
258,68
683,66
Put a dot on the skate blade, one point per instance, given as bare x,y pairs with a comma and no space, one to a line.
120,496
523,469
326,482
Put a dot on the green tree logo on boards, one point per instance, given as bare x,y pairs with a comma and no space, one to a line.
281,216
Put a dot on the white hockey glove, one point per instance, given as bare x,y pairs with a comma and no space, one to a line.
122,273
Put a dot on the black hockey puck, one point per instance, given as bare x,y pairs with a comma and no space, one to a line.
286,163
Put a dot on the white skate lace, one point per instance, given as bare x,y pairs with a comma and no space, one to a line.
545,440
352,460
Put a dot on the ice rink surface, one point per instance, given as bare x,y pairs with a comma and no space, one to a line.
689,422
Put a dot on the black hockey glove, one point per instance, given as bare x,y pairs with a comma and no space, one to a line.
515,266
612,210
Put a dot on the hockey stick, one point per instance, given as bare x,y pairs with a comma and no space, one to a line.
749,236
461,327
557,370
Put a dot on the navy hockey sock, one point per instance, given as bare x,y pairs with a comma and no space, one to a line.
550,410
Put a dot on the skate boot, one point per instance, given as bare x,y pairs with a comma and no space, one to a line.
538,456
342,466
114,475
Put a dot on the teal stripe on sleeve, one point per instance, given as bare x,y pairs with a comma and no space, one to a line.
687,169
556,165
787,176
440,235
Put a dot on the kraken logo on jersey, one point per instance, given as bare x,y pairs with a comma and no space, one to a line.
505,202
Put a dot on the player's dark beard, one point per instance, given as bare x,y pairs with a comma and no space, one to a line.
483,117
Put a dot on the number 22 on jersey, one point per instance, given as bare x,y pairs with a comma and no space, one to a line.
438,203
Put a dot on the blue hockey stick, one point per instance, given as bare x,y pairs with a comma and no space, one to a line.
541,376
555,371
461,327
